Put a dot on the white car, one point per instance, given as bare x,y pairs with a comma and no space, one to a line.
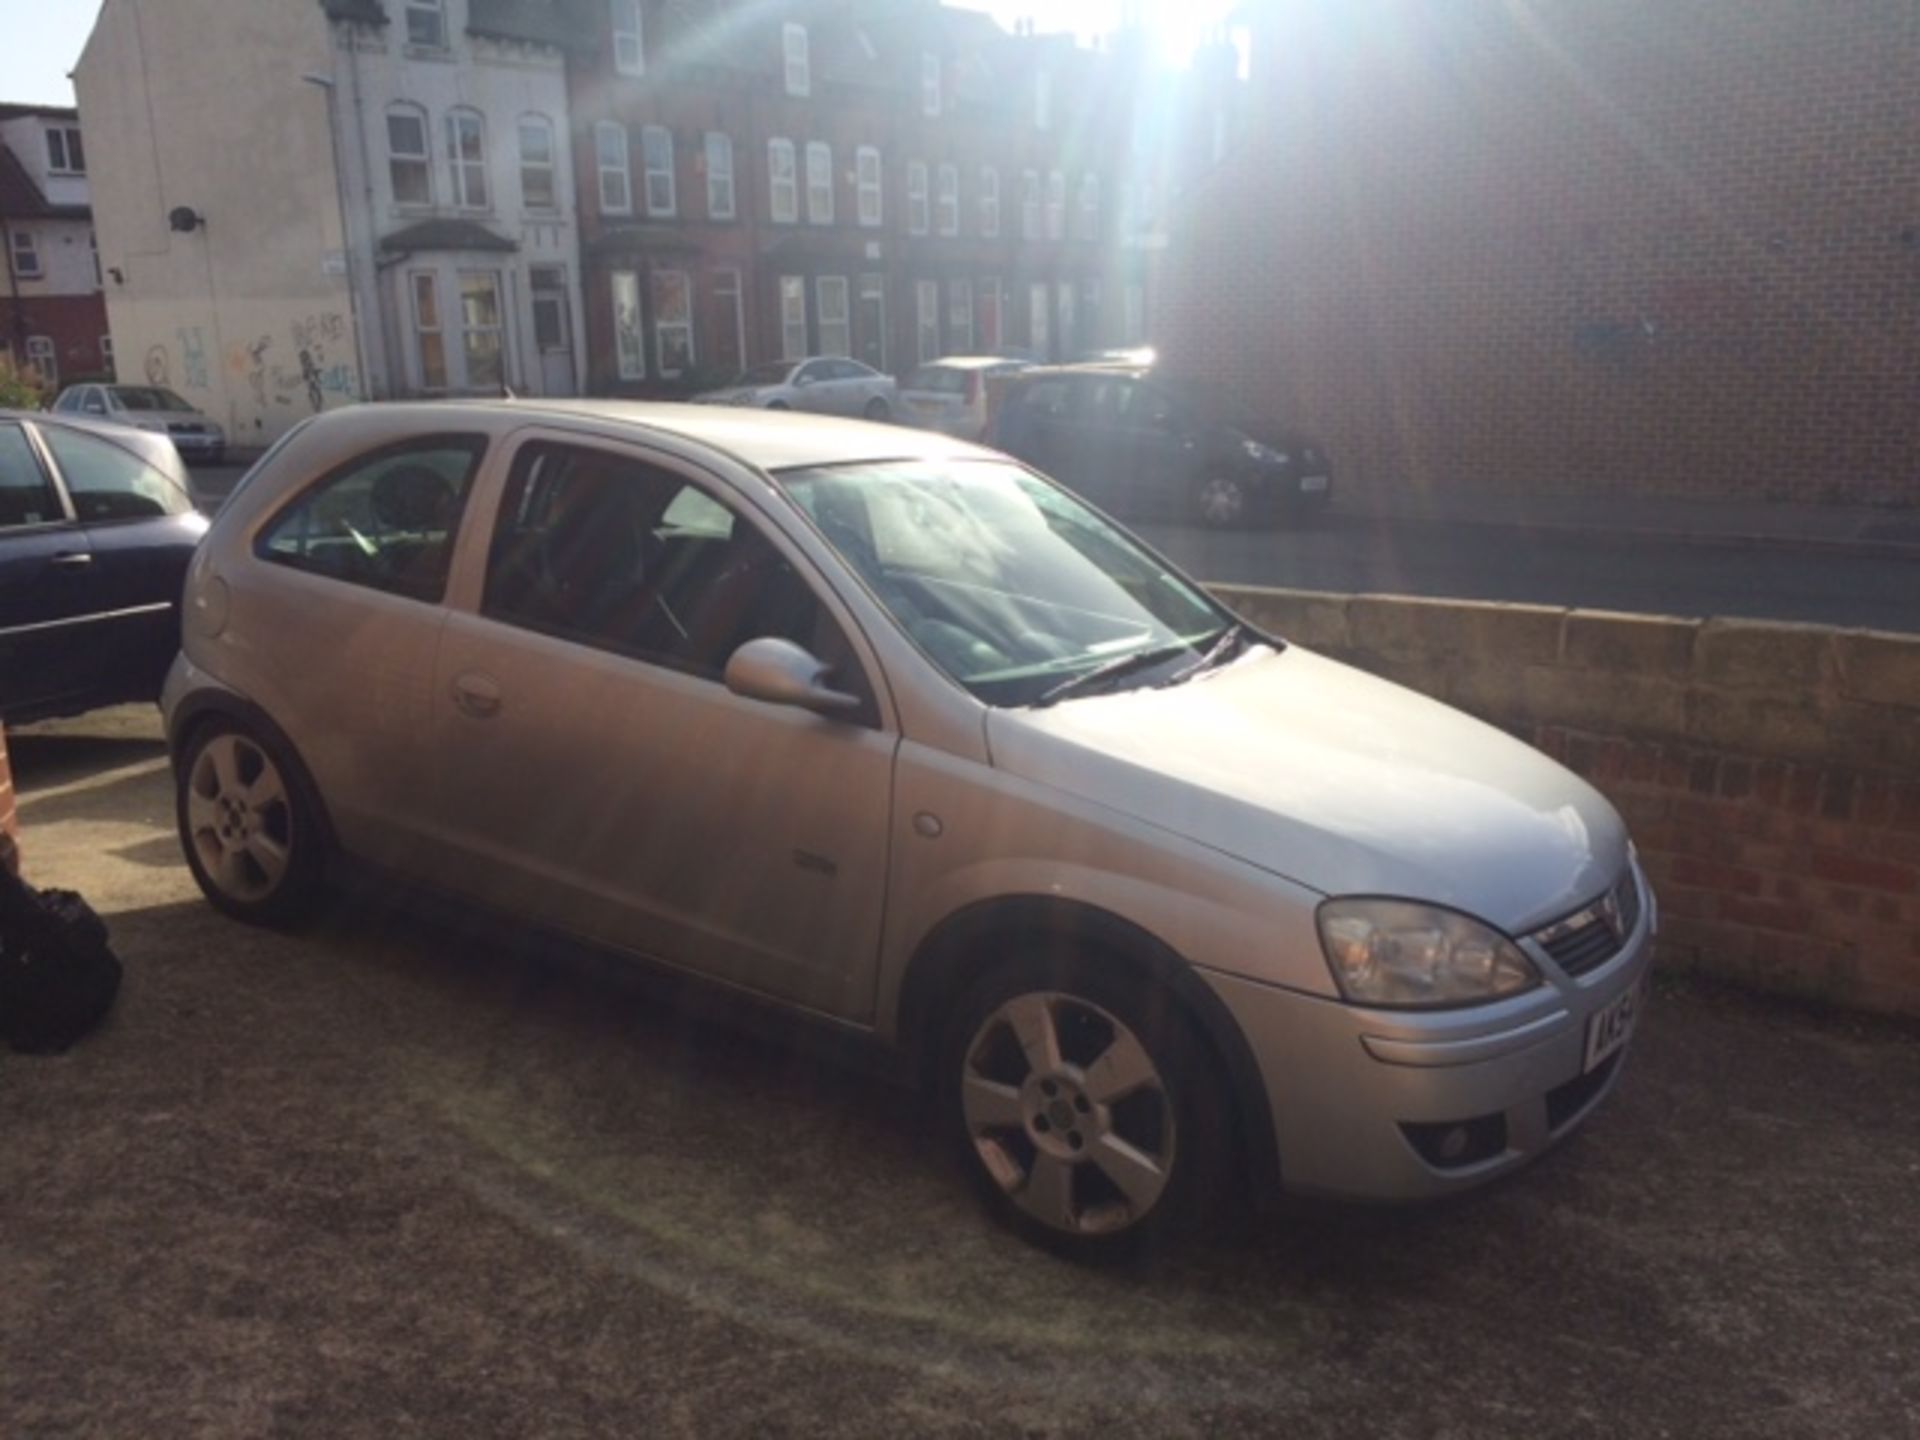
894,733
956,396
196,435
825,384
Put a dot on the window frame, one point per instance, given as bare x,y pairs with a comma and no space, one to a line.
422,161
1087,206
422,330
844,323
24,254
718,172
603,131
1056,211
651,138
632,35
629,347
788,287
819,183
551,165
779,149
72,159
476,442
926,312
39,346
437,9
1030,205
797,59
960,313
946,199
462,171
870,183
932,85
661,327
919,203
989,202
498,329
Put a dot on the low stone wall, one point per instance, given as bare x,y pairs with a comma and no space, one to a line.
1770,772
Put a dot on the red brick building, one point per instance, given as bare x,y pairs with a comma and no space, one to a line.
1573,245
888,179
53,319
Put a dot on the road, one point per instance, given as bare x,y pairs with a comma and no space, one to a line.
376,1179
1487,563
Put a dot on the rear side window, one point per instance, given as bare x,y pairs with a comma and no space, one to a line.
386,520
109,483
26,497
1043,397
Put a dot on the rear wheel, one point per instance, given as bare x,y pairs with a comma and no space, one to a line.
251,833
878,409
778,405
1085,1105
1220,501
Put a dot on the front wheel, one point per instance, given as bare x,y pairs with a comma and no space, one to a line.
1085,1105
251,833
878,409
1221,501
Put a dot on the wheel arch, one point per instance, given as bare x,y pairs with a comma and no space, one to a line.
203,707
939,969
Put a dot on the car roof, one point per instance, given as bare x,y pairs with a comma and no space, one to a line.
764,439
973,362
1132,369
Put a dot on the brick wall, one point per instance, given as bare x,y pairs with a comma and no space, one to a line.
1573,245
1770,773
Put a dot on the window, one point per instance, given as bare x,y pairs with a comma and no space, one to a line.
65,154
993,331
1030,205
1042,100
566,560
629,54
408,164
793,41
43,359
793,317
629,344
930,96
960,316
867,171
26,254
536,164
1063,306
467,159
784,181
656,152
926,299
727,340
672,322
109,483
916,197
427,24
386,520
989,202
719,151
1087,224
1056,204
819,183
26,494
549,286
616,181
480,329
430,343
948,200
1038,313
835,315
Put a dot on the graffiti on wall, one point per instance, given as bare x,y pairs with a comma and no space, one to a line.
158,367
193,357
306,366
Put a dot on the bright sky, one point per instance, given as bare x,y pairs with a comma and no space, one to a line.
43,37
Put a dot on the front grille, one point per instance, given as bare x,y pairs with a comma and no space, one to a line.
1595,933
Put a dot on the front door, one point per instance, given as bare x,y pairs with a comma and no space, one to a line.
596,774
552,334
870,322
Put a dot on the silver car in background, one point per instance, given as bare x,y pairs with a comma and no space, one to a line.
825,385
892,732
153,408
956,395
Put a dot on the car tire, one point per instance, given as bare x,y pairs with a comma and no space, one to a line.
878,409
1117,1144
250,825
778,405
1221,502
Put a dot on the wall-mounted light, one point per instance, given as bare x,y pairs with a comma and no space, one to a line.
185,219
119,276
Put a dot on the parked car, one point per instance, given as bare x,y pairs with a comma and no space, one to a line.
890,731
1139,442
150,407
956,395
826,384
96,529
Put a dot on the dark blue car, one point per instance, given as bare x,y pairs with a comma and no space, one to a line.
97,527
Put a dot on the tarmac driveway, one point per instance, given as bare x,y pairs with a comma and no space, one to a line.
381,1179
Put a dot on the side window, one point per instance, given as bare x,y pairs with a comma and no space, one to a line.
621,555
813,374
26,497
386,520
95,403
106,482
1045,398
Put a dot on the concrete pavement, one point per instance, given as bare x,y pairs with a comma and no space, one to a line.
378,1180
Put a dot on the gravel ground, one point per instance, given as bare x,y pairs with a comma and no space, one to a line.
380,1179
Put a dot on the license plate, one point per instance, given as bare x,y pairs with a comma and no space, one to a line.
1613,1026
1313,484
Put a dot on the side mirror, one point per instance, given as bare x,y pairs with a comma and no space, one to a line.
780,672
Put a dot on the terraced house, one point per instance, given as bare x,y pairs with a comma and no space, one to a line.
52,321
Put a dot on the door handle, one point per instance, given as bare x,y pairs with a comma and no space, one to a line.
72,559
477,695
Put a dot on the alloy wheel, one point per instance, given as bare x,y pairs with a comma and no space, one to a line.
239,817
1223,500
1068,1112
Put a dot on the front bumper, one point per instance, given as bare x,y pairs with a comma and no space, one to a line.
1344,1083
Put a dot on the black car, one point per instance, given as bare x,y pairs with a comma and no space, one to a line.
1139,442
96,531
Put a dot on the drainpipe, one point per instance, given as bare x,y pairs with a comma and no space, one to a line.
19,346
325,84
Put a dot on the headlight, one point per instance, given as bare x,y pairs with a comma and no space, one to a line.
1399,953
1256,451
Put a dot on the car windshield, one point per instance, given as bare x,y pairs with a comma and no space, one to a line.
148,397
774,374
1009,584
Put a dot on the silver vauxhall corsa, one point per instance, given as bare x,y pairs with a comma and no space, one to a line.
888,729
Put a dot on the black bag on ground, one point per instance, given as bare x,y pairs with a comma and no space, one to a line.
58,975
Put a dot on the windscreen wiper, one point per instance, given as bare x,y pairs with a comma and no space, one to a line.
1111,670
1224,644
